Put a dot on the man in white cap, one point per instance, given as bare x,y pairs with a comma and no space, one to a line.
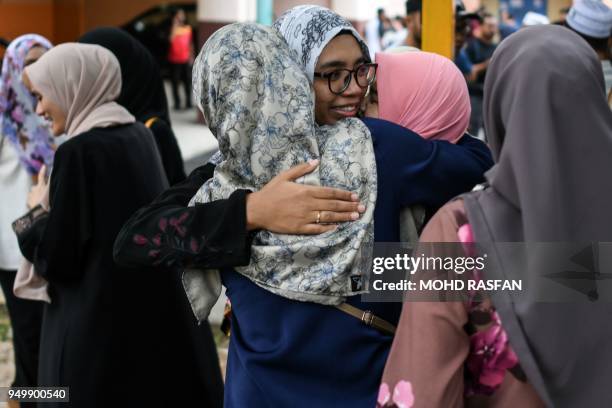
532,18
592,20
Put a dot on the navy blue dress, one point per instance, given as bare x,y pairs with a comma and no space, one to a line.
285,353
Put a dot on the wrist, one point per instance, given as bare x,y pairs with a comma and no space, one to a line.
253,218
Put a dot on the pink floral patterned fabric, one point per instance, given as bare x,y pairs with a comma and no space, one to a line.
402,396
453,353
490,352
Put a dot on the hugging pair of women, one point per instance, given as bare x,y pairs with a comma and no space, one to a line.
289,344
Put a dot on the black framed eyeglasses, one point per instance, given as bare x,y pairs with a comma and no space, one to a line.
339,80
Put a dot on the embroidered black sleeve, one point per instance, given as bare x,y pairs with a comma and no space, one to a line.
29,229
167,233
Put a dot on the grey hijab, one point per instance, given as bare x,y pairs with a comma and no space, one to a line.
259,105
550,131
307,29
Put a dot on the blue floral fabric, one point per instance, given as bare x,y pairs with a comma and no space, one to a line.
308,29
259,104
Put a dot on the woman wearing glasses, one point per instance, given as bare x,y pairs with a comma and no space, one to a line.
411,170
289,353
425,172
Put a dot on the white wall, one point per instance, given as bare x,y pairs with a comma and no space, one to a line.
392,7
363,10
227,10
356,10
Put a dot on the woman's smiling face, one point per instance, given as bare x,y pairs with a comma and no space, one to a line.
47,109
342,52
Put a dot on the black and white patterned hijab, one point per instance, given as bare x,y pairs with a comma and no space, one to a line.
308,29
260,106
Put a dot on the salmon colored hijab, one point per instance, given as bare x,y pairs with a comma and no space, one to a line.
423,92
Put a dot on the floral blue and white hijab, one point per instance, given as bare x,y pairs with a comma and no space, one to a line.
28,133
308,29
260,106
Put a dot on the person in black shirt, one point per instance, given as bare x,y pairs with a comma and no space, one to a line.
479,50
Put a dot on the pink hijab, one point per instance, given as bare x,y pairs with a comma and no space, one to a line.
423,92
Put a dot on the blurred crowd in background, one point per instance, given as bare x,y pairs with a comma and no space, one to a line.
478,33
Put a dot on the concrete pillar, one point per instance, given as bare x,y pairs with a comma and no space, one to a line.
214,14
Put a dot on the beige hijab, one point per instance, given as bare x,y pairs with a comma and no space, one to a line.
84,80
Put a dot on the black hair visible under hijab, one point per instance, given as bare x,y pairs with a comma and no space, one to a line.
142,90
